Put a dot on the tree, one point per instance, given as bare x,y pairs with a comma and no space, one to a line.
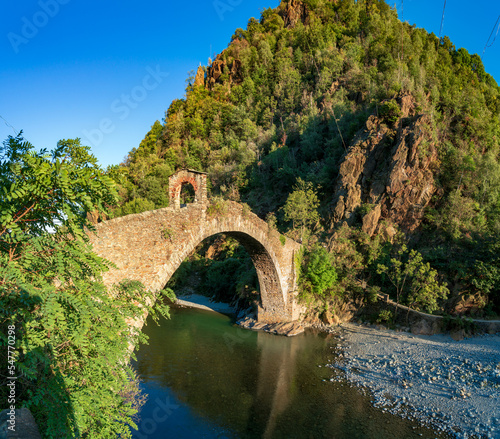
72,338
318,273
301,205
415,282
148,144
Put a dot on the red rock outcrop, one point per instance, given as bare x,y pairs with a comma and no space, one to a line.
199,80
293,12
219,67
387,173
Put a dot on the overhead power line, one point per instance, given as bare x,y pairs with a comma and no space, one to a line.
16,133
497,26
442,20
10,126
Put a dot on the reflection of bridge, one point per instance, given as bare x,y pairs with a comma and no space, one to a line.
150,246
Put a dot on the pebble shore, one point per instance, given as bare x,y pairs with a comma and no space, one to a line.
450,386
203,302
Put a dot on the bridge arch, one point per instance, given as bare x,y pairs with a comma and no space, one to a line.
150,246
273,304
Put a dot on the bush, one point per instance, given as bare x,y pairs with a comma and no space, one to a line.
414,282
457,323
167,233
389,111
301,205
385,316
318,274
137,205
217,207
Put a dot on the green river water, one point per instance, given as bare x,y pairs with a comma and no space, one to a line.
207,378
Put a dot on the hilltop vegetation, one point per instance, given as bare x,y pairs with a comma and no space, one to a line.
394,130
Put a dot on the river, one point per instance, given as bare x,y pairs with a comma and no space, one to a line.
207,378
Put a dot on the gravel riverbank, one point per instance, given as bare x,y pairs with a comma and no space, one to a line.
451,386
203,302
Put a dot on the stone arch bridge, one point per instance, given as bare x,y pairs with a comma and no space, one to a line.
150,246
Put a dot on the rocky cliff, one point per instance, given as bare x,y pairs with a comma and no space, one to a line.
386,175
220,67
293,12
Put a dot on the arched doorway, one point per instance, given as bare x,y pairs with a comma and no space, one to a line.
187,177
187,194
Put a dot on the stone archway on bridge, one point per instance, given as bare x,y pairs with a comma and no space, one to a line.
198,180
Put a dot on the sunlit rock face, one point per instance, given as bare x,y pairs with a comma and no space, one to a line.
388,169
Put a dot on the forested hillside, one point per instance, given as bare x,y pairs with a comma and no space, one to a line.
374,142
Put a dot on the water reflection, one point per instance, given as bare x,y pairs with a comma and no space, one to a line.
276,372
228,382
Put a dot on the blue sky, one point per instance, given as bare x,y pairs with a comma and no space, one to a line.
105,72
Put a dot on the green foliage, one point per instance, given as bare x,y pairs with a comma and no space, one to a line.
246,210
152,194
457,323
385,316
487,277
167,233
282,240
72,334
372,293
218,206
364,209
220,279
220,269
349,259
137,205
318,274
64,186
149,144
389,111
415,282
187,194
169,294
301,205
271,221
